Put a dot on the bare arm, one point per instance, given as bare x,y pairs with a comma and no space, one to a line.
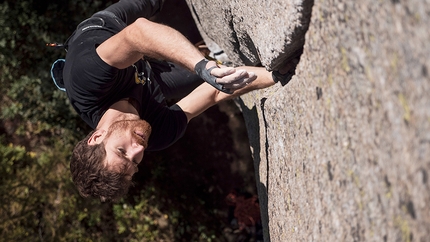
146,38
205,96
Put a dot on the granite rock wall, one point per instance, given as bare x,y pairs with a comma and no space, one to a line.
342,153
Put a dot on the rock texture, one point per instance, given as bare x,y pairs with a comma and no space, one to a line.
249,31
342,153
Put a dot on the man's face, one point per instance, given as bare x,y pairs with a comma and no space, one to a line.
125,142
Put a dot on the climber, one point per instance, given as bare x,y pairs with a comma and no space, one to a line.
119,70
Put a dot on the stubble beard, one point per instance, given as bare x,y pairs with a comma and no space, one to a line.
137,128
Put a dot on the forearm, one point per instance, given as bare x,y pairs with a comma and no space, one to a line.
205,96
195,103
146,38
163,42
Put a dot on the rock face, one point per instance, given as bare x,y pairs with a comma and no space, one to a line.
342,153
249,31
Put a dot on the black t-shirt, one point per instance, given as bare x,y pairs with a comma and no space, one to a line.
92,86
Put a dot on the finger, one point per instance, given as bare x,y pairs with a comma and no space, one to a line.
242,82
221,72
235,77
248,78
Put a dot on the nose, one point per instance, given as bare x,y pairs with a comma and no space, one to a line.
137,147
135,152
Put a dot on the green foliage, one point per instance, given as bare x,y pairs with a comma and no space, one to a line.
137,222
32,187
31,102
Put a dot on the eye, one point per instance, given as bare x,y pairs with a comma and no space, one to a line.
122,151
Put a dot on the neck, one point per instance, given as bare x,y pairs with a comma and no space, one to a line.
121,110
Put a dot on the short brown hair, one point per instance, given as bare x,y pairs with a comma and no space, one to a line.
92,176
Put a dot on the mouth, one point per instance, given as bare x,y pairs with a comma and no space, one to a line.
141,137
141,132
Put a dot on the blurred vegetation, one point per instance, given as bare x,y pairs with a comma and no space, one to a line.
38,130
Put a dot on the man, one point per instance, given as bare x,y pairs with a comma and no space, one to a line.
116,83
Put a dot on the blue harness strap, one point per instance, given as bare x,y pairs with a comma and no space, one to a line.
57,74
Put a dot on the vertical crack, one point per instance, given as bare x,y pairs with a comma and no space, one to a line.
266,144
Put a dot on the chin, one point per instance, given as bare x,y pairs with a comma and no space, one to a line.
138,128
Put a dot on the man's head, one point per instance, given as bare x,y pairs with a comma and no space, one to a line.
104,162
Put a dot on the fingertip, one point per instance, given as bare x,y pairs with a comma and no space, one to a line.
241,74
231,70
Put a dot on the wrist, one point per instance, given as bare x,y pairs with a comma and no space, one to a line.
201,68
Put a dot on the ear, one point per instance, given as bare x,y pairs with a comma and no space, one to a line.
97,137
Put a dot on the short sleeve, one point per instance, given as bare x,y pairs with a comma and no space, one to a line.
168,126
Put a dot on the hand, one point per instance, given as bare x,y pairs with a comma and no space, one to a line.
232,79
225,79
